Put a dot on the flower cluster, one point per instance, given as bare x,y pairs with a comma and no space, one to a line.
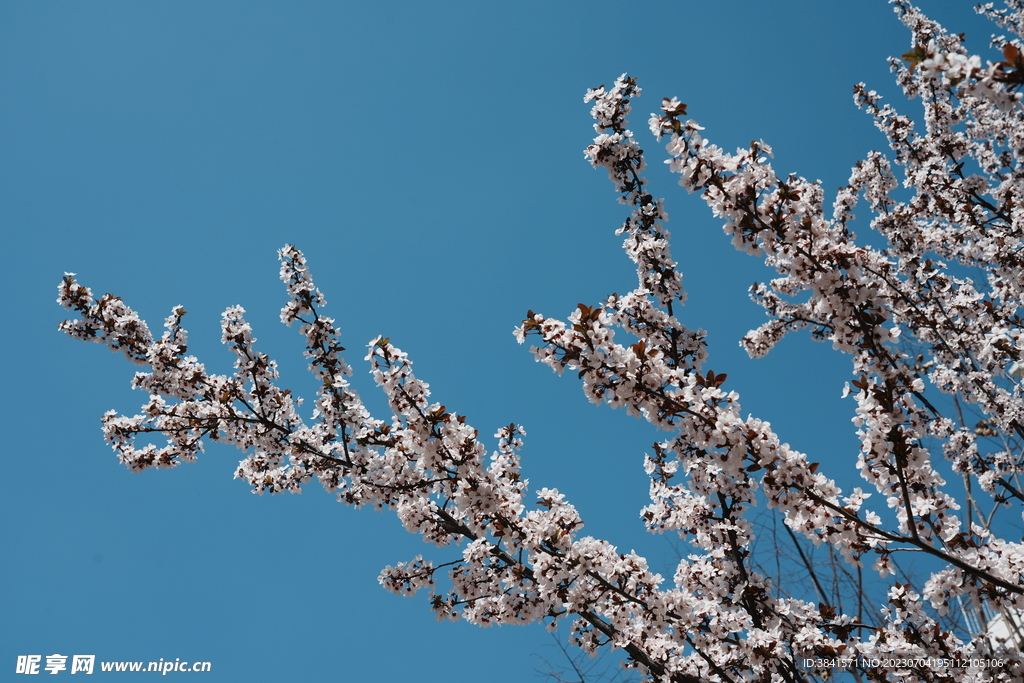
907,314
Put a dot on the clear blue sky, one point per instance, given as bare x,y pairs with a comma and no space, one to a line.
427,156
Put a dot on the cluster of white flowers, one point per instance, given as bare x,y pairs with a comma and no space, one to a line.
718,619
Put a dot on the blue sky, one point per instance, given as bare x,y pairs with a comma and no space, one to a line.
427,157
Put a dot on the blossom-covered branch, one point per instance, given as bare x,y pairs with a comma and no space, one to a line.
925,341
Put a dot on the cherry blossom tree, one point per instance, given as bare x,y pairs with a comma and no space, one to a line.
930,321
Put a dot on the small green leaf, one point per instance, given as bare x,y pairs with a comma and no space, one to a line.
915,56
